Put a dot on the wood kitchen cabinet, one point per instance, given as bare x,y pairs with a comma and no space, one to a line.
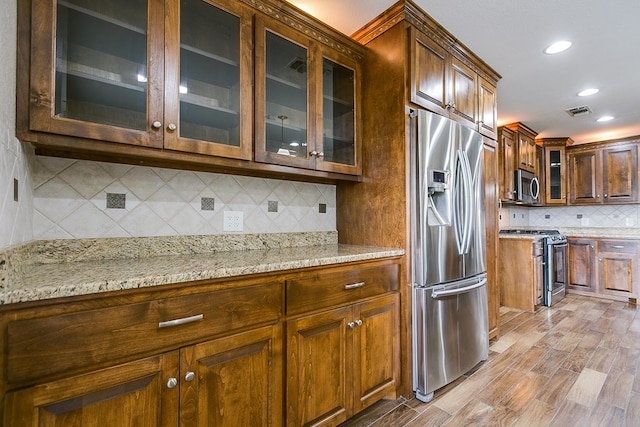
306,102
341,360
603,175
181,84
403,70
555,169
202,385
525,145
506,162
179,358
605,268
521,264
491,196
581,255
445,84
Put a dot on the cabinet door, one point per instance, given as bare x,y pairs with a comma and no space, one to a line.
487,108
209,78
555,172
464,94
319,368
376,355
581,265
338,137
491,224
585,177
620,174
538,279
134,394
97,69
526,152
284,122
233,381
618,273
507,163
429,73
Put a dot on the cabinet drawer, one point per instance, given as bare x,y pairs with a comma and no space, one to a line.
50,345
332,289
623,246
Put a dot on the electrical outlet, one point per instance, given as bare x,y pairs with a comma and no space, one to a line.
232,221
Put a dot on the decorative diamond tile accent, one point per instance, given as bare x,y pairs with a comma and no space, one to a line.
116,200
207,203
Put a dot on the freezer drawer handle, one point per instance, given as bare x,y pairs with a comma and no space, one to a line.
354,285
437,293
181,321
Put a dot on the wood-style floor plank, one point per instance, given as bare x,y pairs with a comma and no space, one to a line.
574,364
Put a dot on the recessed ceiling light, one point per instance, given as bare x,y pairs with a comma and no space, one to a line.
558,47
605,118
588,92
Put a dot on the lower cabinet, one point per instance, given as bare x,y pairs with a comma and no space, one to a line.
521,279
341,361
215,383
604,267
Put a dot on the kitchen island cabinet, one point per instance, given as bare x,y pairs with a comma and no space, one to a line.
521,267
181,84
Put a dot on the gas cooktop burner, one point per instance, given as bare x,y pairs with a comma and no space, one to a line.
526,231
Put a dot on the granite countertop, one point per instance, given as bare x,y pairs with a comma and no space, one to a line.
69,268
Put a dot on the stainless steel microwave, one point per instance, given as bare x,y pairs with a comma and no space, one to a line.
527,187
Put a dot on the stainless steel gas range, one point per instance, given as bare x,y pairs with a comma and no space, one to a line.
556,267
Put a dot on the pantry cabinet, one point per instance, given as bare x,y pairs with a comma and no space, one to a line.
181,84
446,84
603,175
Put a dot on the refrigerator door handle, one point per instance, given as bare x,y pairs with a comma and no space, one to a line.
469,208
459,201
438,293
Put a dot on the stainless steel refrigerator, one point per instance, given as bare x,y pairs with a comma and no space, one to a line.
450,320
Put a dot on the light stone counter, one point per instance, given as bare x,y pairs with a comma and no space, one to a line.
602,232
52,269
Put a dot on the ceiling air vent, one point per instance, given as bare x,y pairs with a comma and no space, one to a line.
578,111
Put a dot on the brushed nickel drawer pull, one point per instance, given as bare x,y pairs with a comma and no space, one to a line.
182,321
354,285
618,246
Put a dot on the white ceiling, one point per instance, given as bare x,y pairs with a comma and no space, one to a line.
536,88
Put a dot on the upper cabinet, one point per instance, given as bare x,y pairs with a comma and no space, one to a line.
506,162
445,81
603,175
305,102
555,169
124,74
525,147
181,83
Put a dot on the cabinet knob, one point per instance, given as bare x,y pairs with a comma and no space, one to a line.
317,153
172,382
351,325
606,195
189,376
156,125
597,196
359,322
172,127
600,259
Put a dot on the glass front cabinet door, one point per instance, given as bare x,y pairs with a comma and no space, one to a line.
306,100
159,74
555,170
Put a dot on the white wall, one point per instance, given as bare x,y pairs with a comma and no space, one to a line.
15,157
60,198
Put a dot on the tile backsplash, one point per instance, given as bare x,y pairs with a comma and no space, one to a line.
621,216
70,201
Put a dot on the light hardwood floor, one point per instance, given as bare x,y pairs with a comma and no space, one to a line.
574,364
